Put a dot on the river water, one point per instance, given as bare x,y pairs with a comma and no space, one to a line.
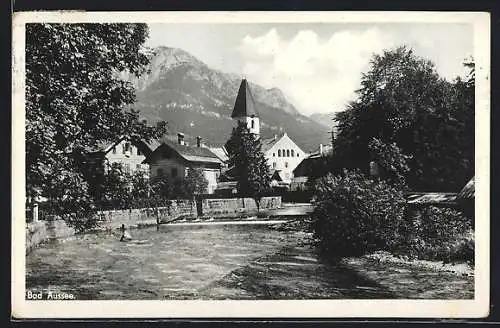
237,261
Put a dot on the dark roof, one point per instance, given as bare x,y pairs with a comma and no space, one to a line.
245,103
468,191
102,146
192,154
278,175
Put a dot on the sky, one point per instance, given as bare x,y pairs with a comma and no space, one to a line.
317,65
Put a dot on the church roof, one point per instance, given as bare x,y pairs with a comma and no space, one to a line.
245,103
269,143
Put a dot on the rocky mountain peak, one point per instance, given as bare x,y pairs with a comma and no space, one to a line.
198,100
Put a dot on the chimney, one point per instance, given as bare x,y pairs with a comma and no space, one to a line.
275,136
321,149
198,141
180,138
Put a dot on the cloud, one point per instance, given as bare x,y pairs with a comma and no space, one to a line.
318,75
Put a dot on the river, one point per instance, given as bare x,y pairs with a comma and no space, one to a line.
190,261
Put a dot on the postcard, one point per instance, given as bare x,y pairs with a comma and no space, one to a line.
250,164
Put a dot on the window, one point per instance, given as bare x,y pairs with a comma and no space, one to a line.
274,165
114,150
291,152
274,154
139,152
126,147
283,152
286,164
288,153
138,166
127,168
174,172
159,172
279,152
253,124
297,154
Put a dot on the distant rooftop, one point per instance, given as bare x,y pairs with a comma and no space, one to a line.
192,153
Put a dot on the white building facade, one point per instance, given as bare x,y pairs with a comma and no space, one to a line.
282,155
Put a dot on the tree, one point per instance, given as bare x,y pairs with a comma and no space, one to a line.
390,160
249,166
161,188
117,187
404,102
195,182
141,187
75,99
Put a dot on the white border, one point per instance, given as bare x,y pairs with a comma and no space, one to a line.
479,307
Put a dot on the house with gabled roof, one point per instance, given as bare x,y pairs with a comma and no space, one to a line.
175,158
313,162
130,153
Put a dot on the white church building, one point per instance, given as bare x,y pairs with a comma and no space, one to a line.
282,153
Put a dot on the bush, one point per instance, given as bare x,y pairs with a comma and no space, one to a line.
437,234
355,215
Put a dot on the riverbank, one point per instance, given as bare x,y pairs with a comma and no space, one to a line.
416,279
401,277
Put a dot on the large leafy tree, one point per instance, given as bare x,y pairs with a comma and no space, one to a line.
248,163
75,99
403,102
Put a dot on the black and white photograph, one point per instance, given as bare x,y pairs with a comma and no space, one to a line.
203,163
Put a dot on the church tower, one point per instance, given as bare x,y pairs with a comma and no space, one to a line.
245,110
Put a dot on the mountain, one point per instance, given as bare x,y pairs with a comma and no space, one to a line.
325,119
198,100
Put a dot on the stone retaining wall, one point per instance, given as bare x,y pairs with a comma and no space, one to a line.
217,207
40,231
134,218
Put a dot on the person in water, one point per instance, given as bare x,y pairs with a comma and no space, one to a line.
125,234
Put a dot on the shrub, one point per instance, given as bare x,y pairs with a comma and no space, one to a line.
437,234
355,215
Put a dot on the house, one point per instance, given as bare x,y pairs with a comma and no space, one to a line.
281,152
175,159
311,163
125,151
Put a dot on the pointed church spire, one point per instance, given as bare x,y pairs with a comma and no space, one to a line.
244,106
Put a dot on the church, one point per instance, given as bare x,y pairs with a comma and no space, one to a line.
282,153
